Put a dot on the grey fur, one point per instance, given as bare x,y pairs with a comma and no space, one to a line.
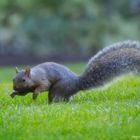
62,83
117,59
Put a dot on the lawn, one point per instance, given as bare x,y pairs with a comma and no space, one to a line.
108,113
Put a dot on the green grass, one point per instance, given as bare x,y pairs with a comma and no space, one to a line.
112,112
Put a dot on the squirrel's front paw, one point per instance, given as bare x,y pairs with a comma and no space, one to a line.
12,94
35,96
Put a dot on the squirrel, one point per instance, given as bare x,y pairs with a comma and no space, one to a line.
61,83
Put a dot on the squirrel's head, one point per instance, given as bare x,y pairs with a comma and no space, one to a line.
23,82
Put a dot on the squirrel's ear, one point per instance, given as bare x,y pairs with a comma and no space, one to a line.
17,70
27,72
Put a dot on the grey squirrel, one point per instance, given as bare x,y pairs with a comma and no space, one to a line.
61,83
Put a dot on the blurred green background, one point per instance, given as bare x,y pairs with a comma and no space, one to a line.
63,29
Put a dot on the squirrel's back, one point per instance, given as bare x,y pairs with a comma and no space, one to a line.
53,71
112,61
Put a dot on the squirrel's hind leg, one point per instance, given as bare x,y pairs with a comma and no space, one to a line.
56,97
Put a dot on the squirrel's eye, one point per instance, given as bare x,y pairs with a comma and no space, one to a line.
23,80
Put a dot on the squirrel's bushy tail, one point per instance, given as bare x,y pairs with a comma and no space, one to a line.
112,61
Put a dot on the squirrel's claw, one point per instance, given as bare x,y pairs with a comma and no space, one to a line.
34,96
12,94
